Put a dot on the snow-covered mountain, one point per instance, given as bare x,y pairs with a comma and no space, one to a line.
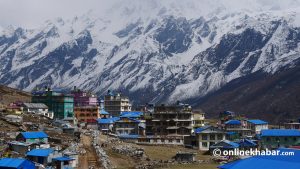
154,50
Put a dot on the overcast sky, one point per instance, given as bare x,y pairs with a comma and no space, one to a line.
31,13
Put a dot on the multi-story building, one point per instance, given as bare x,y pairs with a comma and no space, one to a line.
199,119
115,104
172,120
82,98
208,136
62,105
87,114
256,125
238,127
170,124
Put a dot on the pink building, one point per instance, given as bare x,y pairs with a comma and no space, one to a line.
82,98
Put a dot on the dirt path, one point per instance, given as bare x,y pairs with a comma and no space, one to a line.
89,159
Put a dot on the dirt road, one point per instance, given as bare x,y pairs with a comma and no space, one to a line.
89,159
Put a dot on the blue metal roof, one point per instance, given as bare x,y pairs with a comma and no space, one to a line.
64,158
229,143
235,122
128,136
280,132
131,114
257,121
34,134
108,120
102,111
267,162
246,143
16,163
132,119
40,152
199,130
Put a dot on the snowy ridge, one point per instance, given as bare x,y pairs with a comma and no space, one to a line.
171,53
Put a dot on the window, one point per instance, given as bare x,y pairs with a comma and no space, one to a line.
178,140
204,144
286,139
212,137
204,136
220,136
268,139
295,138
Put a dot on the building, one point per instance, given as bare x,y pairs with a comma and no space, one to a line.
247,144
115,104
238,127
130,123
172,120
208,136
15,108
128,126
104,114
37,108
33,137
41,156
293,124
16,163
256,125
82,98
62,105
63,162
267,161
226,115
275,138
224,145
87,114
168,125
199,119
107,125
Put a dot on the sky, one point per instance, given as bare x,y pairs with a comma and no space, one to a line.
32,13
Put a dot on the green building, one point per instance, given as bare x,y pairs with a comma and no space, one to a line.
60,104
275,138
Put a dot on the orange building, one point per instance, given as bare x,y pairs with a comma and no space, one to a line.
87,114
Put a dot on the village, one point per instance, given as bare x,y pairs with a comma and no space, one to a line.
77,129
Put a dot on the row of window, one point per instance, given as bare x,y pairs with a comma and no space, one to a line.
281,139
212,136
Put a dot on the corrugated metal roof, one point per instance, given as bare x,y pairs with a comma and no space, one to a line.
267,162
34,134
257,121
16,163
131,114
128,136
237,122
36,105
246,143
40,152
199,130
230,143
108,120
64,158
102,111
280,132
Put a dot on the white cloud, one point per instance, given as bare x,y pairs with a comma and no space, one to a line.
31,13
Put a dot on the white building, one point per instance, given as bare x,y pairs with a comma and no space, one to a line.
37,108
208,136
115,104
256,125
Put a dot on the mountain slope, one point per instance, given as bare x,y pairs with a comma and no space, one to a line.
157,55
